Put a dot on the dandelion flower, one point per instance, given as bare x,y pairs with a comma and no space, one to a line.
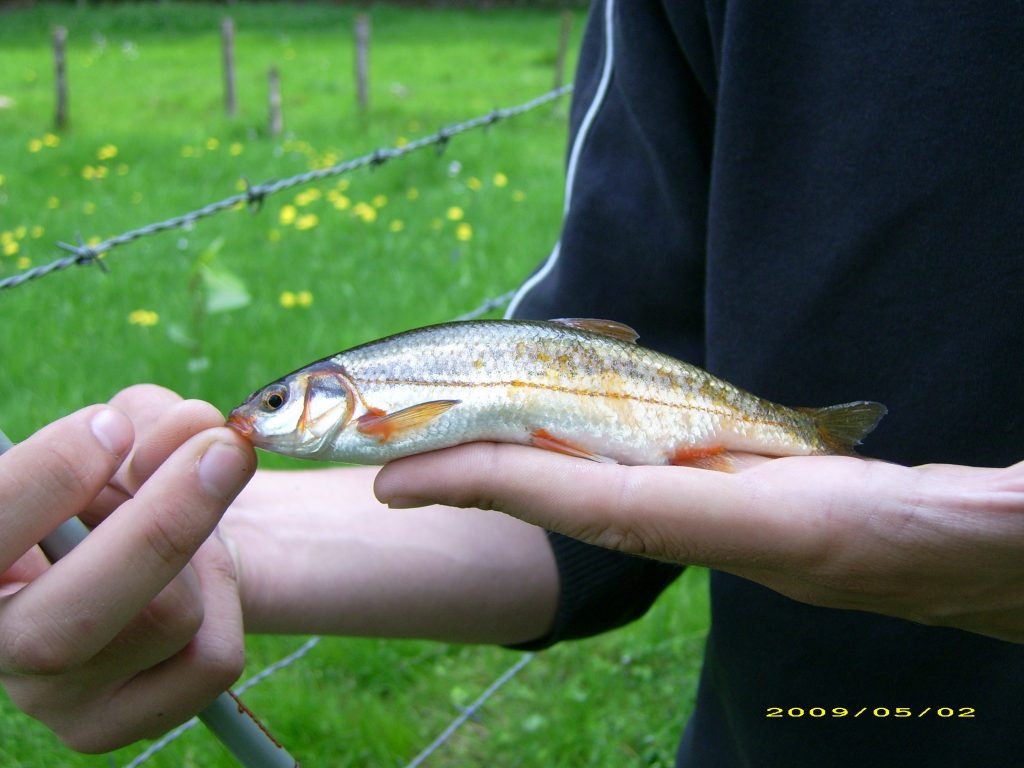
288,215
463,232
52,202
23,262
212,144
307,221
379,201
343,185
88,208
304,298
474,183
500,179
51,140
235,149
341,202
37,232
308,196
455,213
11,248
20,231
519,196
365,212
412,193
34,145
396,225
144,317
287,299
106,152
401,141
101,171
2,179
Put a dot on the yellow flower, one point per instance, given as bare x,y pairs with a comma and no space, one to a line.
6,237
365,212
287,299
380,201
308,221
23,262
88,173
455,213
463,232
101,171
212,144
519,195
343,185
396,225
235,149
304,298
341,202
35,145
500,179
307,197
52,202
401,141
474,183
51,140
143,317
2,179
11,248
274,235
106,152
89,208
20,231
412,193
37,232
188,152
288,215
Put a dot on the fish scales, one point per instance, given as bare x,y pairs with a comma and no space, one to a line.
557,384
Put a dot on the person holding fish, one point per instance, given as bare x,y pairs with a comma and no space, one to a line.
816,206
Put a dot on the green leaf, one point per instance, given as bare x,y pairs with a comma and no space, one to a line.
224,290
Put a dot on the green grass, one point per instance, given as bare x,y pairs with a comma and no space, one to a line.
145,79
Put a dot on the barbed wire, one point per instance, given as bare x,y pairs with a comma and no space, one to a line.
82,254
471,710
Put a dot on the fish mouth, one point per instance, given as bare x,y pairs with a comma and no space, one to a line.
242,424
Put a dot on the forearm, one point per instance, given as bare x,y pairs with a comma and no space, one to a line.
318,553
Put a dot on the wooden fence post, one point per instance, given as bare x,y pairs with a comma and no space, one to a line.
227,36
362,60
60,37
563,47
276,124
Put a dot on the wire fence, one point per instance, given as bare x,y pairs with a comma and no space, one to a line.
81,254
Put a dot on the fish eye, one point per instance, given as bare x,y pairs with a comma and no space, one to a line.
274,398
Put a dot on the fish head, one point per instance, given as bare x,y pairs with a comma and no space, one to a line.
297,415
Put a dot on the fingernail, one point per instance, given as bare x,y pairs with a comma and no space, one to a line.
223,470
113,430
406,502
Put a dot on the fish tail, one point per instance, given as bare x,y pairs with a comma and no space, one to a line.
843,427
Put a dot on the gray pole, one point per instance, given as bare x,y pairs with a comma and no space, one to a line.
228,719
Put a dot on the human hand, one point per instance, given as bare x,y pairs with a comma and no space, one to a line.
123,638
937,544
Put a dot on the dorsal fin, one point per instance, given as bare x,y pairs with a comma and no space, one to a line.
610,328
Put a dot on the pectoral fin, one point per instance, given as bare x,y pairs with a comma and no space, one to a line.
385,426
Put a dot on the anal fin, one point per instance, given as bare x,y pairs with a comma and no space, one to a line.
714,458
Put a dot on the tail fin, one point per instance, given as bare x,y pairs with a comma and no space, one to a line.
843,427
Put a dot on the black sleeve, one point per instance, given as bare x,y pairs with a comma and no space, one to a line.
600,589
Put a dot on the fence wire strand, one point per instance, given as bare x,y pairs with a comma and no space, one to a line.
82,254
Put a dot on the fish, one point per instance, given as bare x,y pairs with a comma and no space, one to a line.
577,386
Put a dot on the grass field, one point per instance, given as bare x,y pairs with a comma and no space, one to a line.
320,268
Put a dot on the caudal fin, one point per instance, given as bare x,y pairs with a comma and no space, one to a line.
843,427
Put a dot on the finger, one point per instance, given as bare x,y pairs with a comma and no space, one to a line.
56,473
760,516
159,439
172,692
77,607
